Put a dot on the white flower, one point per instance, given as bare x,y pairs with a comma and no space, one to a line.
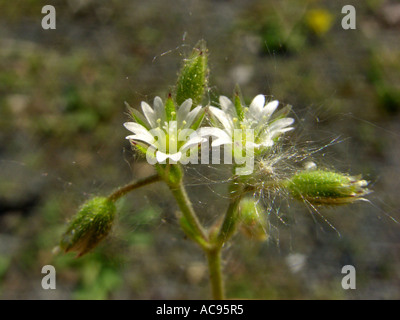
257,117
163,130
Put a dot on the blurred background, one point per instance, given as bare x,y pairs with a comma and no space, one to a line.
62,96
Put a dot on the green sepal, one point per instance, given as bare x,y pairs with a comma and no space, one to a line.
170,109
196,124
142,149
237,101
282,113
137,116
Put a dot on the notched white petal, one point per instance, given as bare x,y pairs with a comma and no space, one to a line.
269,109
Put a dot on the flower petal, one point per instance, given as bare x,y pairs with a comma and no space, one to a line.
142,138
264,116
223,118
160,137
267,138
191,116
183,111
279,124
159,109
136,128
139,118
222,136
140,133
227,106
277,133
256,106
149,114
269,109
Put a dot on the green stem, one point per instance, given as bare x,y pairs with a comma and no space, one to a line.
228,226
215,271
198,234
186,207
226,230
120,192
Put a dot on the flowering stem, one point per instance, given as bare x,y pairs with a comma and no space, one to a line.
213,252
120,192
181,197
211,247
226,230
215,271
228,226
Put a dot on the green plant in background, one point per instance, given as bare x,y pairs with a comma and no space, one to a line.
169,135
286,31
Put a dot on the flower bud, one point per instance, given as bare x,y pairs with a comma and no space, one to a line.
91,224
193,77
253,223
326,187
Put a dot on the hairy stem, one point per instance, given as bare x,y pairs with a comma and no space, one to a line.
120,192
224,233
228,226
186,207
215,272
213,253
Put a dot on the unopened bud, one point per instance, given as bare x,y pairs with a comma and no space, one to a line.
91,224
327,187
253,222
193,77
